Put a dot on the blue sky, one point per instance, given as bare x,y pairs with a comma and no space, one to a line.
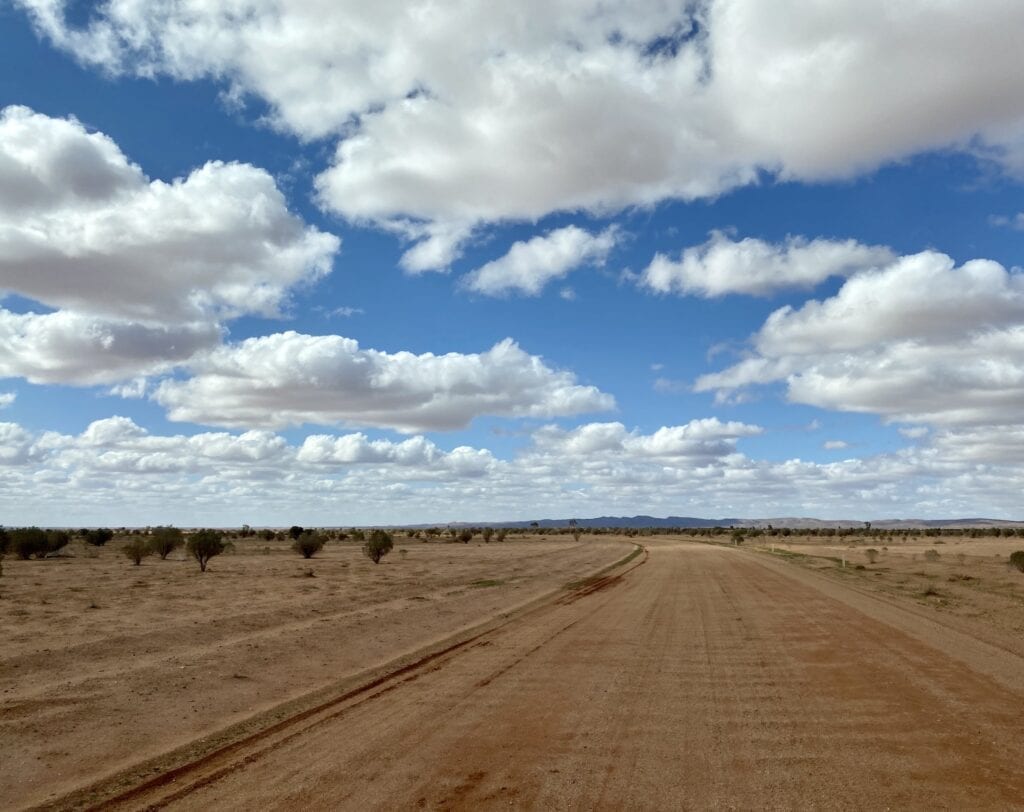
438,263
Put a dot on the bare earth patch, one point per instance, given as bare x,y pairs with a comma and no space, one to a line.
105,664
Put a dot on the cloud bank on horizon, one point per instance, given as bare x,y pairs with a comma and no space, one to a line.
802,216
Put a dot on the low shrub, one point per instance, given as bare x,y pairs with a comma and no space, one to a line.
136,549
26,542
165,540
378,545
98,536
1017,560
309,544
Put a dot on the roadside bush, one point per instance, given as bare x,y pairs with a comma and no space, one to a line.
465,536
1017,560
378,545
501,535
931,555
487,533
309,544
97,537
136,549
5,540
165,540
357,534
872,555
204,545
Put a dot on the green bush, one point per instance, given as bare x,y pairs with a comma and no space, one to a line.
26,542
1017,560
97,537
378,545
204,545
165,540
309,544
136,549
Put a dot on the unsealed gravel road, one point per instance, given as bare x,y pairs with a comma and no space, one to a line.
704,677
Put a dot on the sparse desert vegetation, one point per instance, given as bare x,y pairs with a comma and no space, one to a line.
243,630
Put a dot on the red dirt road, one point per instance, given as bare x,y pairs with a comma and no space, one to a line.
702,678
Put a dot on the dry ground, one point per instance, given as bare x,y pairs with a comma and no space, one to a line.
971,578
104,664
693,676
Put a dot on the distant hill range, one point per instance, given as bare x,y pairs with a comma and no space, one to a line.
636,522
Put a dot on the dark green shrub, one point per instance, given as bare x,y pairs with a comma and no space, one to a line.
378,545
1017,560
136,549
26,542
204,545
97,537
309,544
165,540
465,536
295,531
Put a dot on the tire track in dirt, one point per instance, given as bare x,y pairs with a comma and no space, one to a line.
701,680
238,752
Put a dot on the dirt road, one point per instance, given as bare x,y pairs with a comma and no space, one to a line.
703,678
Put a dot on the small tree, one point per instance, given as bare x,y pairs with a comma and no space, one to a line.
295,531
165,540
309,544
501,535
465,536
872,555
137,549
1017,560
378,545
487,533
204,545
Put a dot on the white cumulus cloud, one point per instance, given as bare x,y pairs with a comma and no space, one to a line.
530,264
290,378
753,267
920,341
450,115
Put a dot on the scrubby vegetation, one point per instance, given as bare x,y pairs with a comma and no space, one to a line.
97,537
308,543
165,540
378,545
204,545
136,549
1017,560
26,542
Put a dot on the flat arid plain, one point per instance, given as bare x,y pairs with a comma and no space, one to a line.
540,672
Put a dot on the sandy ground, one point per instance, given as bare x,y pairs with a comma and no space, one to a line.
105,664
702,677
970,579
